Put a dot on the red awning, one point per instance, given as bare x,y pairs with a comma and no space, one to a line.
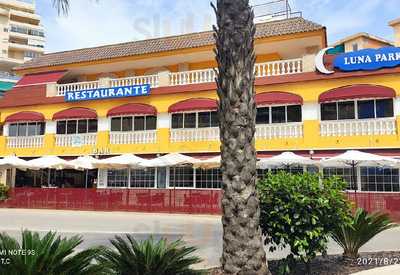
132,109
75,113
40,78
25,116
357,91
193,104
269,98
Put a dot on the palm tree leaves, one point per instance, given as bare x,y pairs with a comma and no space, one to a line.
363,227
149,257
50,254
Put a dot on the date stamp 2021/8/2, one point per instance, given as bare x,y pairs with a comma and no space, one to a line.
378,261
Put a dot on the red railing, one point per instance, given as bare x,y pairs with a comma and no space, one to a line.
140,200
161,200
378,201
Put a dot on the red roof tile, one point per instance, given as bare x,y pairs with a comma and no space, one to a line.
40,78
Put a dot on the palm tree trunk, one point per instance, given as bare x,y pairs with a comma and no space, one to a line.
243,251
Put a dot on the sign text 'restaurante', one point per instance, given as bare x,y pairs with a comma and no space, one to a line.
103,93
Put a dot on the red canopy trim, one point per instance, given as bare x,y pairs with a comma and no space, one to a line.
75,113
270,98
357,91
25,116
40,78
132,109
193,104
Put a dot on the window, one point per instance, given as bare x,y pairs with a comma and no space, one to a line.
278,114
194,120
117,178
26,129
379,179
181,177
345,173
208,178
143,178
133,123
359,109
355,47
81,126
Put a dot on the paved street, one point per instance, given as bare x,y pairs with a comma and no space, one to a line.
97,227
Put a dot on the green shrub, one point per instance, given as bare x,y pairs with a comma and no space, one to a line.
300,211
50,255
362,228
149,257
3,192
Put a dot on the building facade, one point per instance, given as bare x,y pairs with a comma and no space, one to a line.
21,38
299,109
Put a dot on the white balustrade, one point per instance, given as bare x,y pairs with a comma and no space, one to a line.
192,77
76,86
195,134
25,142
280,67
358,127
133,137
76,140
279,130
153,80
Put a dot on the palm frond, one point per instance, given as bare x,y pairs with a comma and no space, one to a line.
362,229
149,257
62,6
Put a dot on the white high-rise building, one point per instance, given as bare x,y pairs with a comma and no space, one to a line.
21,37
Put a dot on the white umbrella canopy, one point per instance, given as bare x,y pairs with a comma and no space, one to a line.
13,162
121,162
173,159
214,162
284,159
358,158
84,163
49,162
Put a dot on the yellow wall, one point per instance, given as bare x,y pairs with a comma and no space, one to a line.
309,90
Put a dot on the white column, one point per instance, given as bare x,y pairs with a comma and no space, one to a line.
6,129
51,127
310,111
104,124
163,120
102,178
396,107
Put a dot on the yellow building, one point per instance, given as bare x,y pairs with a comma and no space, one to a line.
299,108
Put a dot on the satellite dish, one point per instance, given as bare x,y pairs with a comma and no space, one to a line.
319,61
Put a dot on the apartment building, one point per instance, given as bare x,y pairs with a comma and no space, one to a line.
21,38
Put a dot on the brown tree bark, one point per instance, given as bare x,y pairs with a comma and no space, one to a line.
243,251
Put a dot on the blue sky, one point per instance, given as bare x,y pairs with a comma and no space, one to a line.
92,23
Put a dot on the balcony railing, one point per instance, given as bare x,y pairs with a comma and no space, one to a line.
136,80
135,137
77,140
25,142
358,127
77,86
274,68
195,134
279,130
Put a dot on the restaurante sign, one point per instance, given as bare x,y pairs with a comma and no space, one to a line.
363,60
103,93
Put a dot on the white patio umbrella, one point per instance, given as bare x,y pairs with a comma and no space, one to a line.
285,159
84,163
13,162
173,159
354,158
121,162
49,162
209,163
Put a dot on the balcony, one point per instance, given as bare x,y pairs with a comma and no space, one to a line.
279,130
358,127
134,137
195,134
77,140
25,142
274,68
